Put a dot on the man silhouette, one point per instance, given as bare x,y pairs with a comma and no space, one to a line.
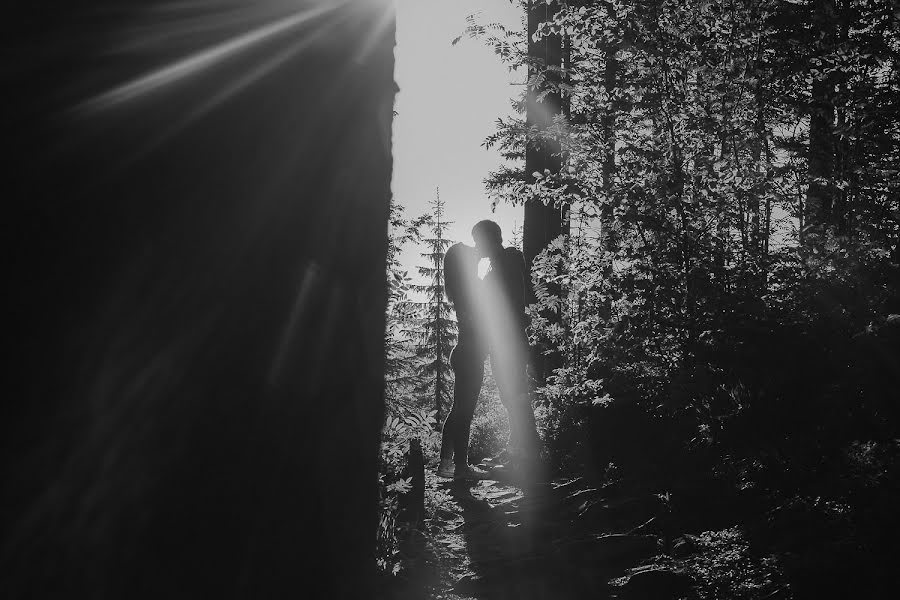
467,361
505,321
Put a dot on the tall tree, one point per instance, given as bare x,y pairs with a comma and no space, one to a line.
819,213
185,320
437,329
544,221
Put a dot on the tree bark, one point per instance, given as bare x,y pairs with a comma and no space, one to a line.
610,82
543,223
819,205
196,345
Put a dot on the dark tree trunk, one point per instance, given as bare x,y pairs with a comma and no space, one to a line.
610,81
542,223
819,206
819,201
195,333
759,141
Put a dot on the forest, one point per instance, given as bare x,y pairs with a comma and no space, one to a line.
712,224
224,380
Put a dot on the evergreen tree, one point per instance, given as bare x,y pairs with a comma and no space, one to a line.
515,237
436,327
401,360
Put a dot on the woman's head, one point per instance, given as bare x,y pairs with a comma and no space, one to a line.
460,270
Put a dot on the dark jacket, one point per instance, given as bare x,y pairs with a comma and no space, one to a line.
506,281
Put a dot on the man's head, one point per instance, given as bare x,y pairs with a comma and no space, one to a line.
488,238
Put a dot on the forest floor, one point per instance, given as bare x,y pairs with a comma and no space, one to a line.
569,539
663,535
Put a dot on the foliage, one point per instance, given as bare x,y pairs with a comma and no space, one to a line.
400,357
401,427
436,329
731,170
725,566
418,338
405,419
515,238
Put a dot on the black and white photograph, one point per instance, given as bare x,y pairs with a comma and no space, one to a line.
450,299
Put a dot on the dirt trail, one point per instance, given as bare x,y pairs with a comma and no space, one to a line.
569,539
496,540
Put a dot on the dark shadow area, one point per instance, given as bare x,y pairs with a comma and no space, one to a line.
194,246
541,543
509,549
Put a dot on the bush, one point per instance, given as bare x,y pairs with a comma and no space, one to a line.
401,426
802,358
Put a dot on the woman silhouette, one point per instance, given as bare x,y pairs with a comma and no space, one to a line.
461,284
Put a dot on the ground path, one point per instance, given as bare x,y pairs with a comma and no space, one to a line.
569,538
562,539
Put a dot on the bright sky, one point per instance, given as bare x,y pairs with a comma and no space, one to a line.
449,100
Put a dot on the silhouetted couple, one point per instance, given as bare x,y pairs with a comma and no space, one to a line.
491,318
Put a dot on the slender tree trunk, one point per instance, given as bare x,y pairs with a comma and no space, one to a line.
438,305
819,209
439,381
843,157
758,142
759,238
611,68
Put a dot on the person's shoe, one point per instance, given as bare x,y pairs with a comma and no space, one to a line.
469,472
446,468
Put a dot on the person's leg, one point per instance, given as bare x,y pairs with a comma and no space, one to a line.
510,373
451,423
468,371
504,375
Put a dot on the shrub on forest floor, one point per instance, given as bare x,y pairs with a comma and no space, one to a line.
723,565
401,427
747,371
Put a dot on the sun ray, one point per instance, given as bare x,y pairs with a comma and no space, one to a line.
202,60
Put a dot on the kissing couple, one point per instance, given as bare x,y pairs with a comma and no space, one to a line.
491,316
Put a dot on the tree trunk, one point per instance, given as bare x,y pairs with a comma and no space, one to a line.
759,141
195,333
819,208
542,223
439,357
610,82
